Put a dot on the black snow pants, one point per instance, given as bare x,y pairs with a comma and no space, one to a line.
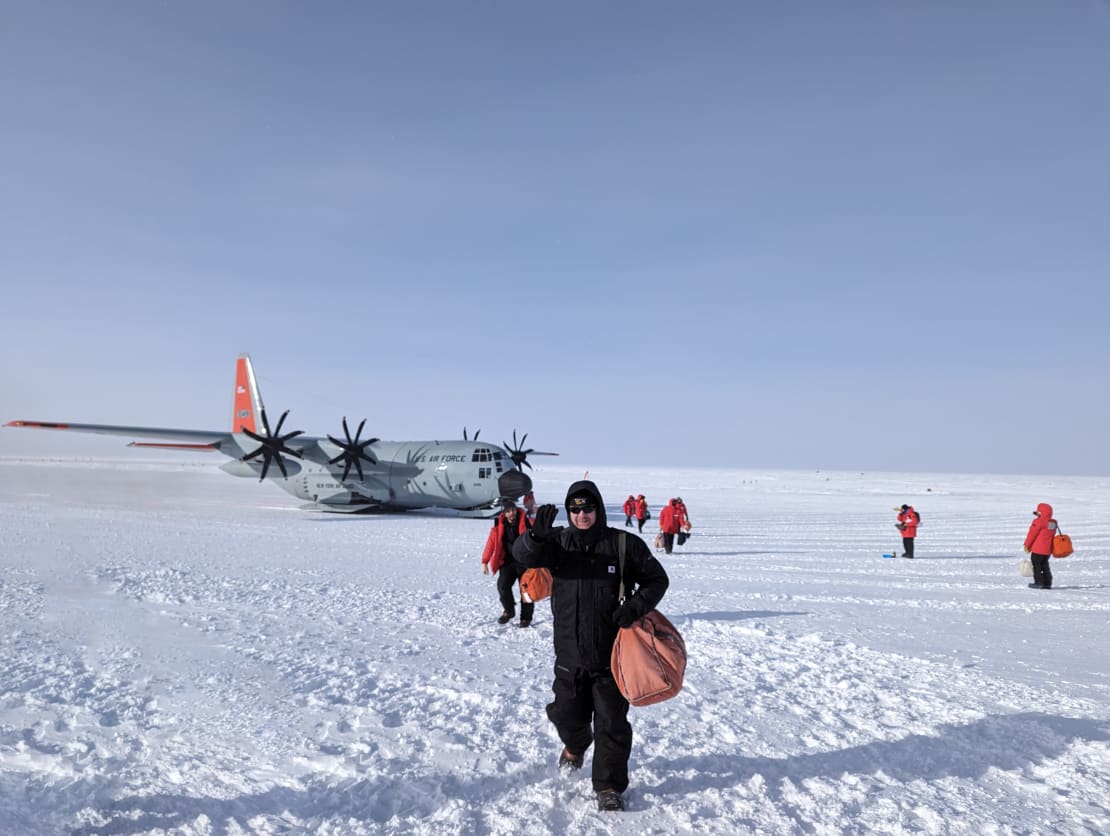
583,696
907,546
507,577
668,542
1042,574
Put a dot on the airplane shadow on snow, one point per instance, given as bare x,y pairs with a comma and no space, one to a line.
1011,743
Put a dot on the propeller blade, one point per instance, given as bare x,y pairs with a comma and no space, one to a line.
272,446
353,451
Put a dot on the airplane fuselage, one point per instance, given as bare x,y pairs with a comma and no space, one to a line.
464,475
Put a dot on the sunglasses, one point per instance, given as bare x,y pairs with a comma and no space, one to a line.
584,509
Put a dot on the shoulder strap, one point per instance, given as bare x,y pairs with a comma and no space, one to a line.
623,537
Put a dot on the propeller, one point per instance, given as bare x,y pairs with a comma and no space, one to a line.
353,451
470,439
517,452
272,445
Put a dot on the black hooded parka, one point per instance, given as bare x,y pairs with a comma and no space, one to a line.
586,583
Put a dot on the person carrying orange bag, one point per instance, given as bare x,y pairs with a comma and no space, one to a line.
1038,543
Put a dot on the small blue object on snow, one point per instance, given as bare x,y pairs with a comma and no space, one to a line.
889,555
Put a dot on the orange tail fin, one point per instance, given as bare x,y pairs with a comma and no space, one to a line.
247,406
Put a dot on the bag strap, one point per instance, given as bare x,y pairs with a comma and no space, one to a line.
620,562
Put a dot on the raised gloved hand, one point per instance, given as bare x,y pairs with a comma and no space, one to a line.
542,527
624,615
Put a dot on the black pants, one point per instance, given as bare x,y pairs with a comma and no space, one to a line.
668,542
628,521
640,524
507,577
583,696
907,546
1042,574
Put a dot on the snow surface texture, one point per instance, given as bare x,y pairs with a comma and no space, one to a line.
183,652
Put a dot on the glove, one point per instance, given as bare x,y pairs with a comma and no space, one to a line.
541,528
624,615
1027,549
485,568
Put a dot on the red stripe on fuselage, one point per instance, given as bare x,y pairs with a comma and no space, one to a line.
171,446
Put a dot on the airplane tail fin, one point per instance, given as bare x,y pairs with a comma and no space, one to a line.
247,410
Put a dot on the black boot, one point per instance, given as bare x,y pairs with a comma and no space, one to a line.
609,801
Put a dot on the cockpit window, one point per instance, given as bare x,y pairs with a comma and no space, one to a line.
482,454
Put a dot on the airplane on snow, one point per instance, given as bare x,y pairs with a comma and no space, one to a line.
468,476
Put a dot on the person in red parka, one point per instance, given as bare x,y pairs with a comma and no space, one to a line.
684,525
907,524
1038,542
497,557
629,510
642,514
670,523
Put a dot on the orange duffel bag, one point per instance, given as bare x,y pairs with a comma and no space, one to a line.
649,658
535,585
1061,546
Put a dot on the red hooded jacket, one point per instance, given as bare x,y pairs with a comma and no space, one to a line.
494,552
670,518
1041,531
909,519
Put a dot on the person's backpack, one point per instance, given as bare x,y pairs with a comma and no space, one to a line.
649,658
918,513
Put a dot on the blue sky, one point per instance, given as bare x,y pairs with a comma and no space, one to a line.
860,235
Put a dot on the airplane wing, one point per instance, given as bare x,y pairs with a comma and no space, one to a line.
177,439
180,439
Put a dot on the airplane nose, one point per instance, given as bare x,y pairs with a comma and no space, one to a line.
513,483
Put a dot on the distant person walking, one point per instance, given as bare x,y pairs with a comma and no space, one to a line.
642,513
670,524
497,557
684,525
908,521
629,510
1038,543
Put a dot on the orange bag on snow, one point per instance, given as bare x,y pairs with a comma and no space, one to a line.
1061,545
649,660
535,585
